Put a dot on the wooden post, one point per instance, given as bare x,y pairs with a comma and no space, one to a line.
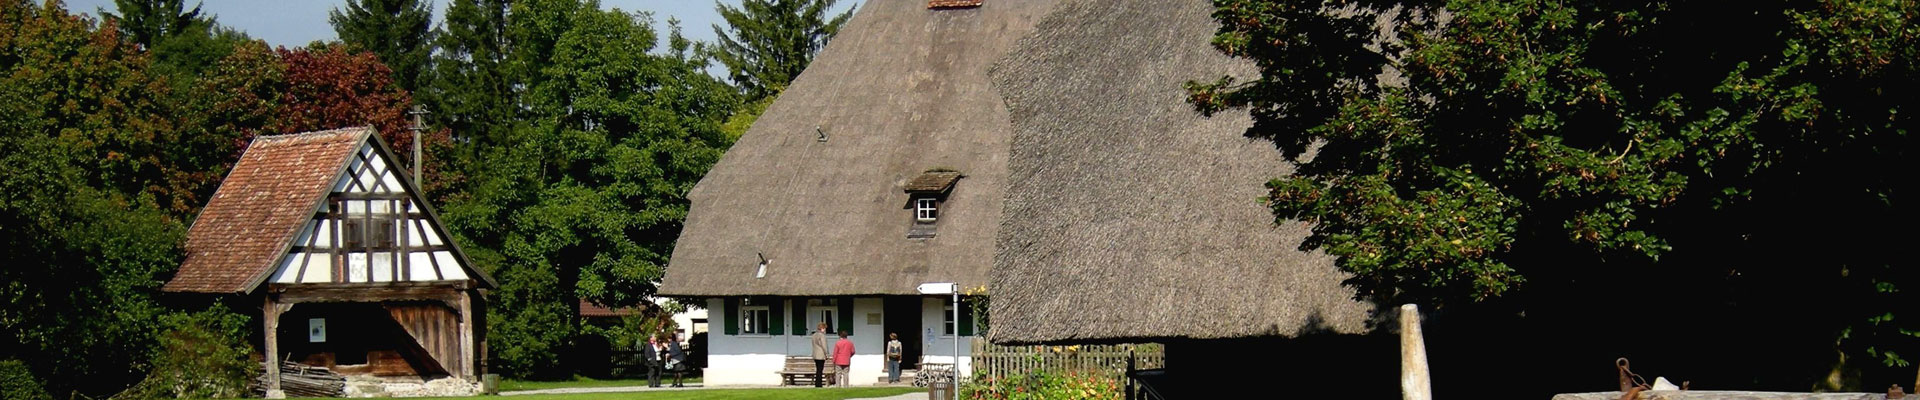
270,315
1415,384
466,336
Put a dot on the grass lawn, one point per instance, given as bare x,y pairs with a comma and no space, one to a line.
717,394
507,385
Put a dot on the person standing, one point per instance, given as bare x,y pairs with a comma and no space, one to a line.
843,359
894,350
819,353
676,359
651,354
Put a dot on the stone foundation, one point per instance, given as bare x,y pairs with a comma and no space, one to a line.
373,386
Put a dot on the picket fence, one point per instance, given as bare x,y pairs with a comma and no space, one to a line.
1107,361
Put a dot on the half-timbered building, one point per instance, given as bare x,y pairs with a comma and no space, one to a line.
350,266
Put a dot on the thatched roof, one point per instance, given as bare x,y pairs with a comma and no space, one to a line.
1129,216
932,182
902,89
267,198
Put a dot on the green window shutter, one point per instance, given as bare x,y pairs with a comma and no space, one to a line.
966,318
846,313
773,317
731,319
800,316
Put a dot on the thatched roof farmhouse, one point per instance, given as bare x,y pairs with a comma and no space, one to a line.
880,168
1070,177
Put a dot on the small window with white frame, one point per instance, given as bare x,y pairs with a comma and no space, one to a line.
946,316
755,319
926,209
825,311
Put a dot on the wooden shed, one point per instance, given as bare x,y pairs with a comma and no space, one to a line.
351,267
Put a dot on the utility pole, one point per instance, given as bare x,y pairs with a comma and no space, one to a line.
419,125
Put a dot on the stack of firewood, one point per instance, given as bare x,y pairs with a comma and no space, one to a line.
299,380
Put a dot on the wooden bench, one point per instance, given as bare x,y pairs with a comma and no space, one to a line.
799,372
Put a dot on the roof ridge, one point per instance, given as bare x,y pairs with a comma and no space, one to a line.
295,135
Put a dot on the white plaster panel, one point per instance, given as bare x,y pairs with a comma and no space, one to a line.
449,266
319,268
420,266
383,266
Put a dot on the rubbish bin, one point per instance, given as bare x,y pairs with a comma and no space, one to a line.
940,390
490,384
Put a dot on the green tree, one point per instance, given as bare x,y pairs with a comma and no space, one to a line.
181,41
400,32
766,43
1553,153
583,197
471,91
80,230
149,22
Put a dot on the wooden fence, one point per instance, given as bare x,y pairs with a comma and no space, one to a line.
1102,360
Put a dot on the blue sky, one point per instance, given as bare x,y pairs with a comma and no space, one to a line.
296,23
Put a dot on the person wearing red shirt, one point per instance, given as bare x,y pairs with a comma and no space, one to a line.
843,358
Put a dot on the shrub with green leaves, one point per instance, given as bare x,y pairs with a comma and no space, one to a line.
200,355
17,382
1043,385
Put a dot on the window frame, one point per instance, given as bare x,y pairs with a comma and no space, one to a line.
827,314
946,316
926,209
747,313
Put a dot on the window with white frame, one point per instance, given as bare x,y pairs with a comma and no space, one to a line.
825,311
926,209
755,320
946,315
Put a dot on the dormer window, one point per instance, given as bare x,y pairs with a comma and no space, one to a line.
924,195
926,209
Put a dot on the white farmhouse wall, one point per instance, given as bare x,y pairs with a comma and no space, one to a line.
939,346
734,360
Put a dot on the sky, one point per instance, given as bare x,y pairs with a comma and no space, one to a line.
296,23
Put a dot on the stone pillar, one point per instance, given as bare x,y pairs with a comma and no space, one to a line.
1415,383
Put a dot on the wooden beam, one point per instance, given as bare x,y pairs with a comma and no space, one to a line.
443,291
466,336
270,315
325,249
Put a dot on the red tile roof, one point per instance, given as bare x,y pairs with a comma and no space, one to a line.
589,310
264,202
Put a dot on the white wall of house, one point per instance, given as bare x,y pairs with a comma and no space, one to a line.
933,317
734,360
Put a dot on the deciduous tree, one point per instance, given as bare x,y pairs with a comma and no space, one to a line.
1731,160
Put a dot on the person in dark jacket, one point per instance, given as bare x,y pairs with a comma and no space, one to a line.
651,353
676,359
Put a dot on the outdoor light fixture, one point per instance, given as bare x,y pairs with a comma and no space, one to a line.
821,132
762,272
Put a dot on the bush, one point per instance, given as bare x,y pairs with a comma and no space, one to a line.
201,355
17,382
1041,385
